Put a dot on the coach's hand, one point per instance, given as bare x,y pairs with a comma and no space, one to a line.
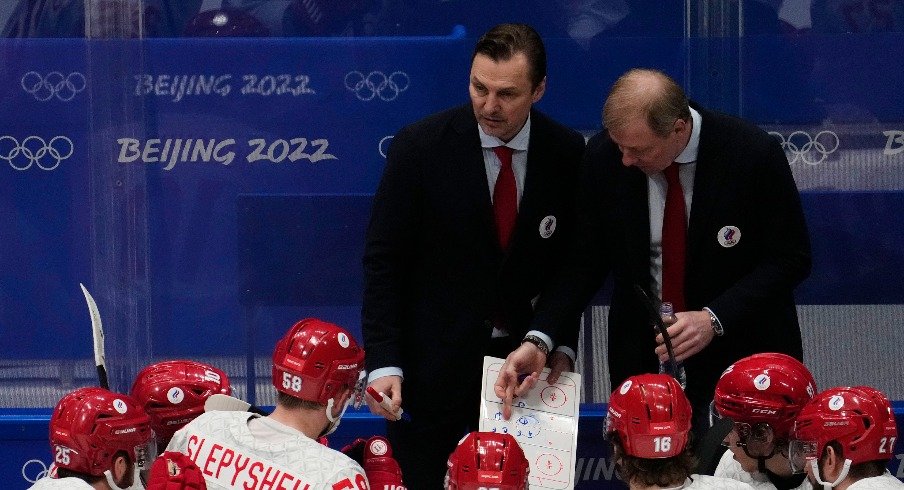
558,363
518,375
391,386
689,334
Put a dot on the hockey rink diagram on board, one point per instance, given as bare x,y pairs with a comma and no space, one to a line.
545,424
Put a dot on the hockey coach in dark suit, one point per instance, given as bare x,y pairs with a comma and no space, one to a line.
468,224
698,208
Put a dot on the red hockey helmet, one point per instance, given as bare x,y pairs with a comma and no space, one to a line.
487,460
651,415
173,392
848,415
90,425
316,360
768,388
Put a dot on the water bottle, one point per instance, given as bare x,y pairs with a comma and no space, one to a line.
667,313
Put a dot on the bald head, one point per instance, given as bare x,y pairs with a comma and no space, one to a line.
649,94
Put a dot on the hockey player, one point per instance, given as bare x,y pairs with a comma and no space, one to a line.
100,440
487,460
844,439
316,367
648,424
762,394
173,393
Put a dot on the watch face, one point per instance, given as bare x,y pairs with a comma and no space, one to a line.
717,327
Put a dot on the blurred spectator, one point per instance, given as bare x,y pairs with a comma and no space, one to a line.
99,18
857,16
310,17
225,22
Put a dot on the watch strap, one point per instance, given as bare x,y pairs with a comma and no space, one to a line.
540,343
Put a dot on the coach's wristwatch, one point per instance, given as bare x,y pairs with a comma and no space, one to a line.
533,339
715,324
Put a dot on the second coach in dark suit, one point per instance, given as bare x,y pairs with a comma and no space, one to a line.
730,258
468,222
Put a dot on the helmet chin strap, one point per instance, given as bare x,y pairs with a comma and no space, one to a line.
334,421
760,460
841,476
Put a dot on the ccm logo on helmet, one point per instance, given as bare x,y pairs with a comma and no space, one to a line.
764,411
347,366
211,376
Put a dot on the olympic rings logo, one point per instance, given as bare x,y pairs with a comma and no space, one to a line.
33,470
808,149
54,84
33,150
377,84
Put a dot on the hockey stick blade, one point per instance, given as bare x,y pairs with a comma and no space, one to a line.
226,403
97,330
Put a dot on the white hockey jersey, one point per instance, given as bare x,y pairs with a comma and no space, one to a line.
883,482
706,481
71,483
265,454
730,468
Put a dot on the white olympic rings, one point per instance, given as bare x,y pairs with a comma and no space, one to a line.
377,84
808,149
55,84
34,464
33,150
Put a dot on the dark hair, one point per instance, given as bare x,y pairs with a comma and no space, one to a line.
859,471
290,401
504,41
649,93
663,472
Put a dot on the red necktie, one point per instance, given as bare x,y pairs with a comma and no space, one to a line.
505,197
674,240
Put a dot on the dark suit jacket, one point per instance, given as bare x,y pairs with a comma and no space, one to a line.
434,271
742,179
